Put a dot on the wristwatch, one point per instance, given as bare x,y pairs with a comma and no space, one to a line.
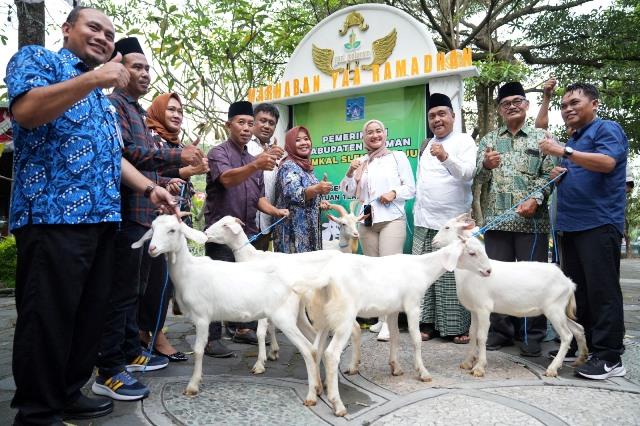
148,190
567,152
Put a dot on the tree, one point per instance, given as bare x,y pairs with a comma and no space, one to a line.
31,22
210,52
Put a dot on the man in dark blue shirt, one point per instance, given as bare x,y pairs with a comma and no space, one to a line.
64,212
590,218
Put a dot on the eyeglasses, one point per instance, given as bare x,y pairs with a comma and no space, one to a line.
515,102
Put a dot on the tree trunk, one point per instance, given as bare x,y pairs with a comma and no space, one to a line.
486,122
30,22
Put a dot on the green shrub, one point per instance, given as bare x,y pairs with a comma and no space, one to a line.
8,256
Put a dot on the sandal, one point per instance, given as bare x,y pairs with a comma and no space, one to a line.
425,335
462,339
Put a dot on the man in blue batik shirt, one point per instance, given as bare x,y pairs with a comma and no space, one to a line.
590,219
65,209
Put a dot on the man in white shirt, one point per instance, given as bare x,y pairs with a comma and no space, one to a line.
445,173
266,119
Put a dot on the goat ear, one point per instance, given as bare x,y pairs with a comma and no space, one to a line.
192,234
469,225
333,218
234,227
238,221
452,253
146,237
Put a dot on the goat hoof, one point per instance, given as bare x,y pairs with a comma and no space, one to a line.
578,362
258,369
351,371
190,392
309,402
426,378
466,365
477,372
341,411
273,356
397,372
551,373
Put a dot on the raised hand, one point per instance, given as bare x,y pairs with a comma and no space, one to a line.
191,155
112,74
265,161
491,159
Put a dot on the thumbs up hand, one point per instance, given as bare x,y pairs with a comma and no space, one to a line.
112,74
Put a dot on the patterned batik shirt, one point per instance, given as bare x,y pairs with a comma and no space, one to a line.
137,137
68,170
523,169
300,231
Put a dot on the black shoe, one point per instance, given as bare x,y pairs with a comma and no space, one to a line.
249,337
599,369
217,349
88,408
496,342
174,357
532,349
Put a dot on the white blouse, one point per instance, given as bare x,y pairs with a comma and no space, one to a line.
384,174
444,188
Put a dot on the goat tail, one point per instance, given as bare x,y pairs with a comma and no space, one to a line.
302,287
571,307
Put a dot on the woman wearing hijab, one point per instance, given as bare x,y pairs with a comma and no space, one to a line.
164,119
382,181
298,190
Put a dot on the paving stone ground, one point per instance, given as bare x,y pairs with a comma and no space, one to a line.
514,390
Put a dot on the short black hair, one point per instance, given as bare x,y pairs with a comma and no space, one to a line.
72,17
270,109
588,89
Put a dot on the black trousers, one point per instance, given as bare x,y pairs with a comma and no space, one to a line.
222,252
154,303
63,279
511,247
120,341
591,259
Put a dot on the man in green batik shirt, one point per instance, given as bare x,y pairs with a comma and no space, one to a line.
510,161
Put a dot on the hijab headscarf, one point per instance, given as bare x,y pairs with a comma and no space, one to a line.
157,117
292,153
372,153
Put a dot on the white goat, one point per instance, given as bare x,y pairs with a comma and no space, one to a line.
349,235
384,286
228,231
514,288
209,290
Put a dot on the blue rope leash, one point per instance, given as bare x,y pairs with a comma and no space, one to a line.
152,342
263,232
509,214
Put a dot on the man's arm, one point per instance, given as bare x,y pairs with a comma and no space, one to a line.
138,182
542,120
233,177
41,105
267,208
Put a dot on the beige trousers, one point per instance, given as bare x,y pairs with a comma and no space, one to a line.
384,238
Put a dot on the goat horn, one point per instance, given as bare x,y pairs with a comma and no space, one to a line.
352,206
183,214
339,209
241,223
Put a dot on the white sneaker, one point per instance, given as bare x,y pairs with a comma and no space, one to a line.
375,328
383,336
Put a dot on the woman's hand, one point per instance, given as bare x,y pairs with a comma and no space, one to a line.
387,197
324,205
355,164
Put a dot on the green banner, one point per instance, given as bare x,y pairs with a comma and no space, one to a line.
336,131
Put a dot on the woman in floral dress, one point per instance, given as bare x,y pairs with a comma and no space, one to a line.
299,190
